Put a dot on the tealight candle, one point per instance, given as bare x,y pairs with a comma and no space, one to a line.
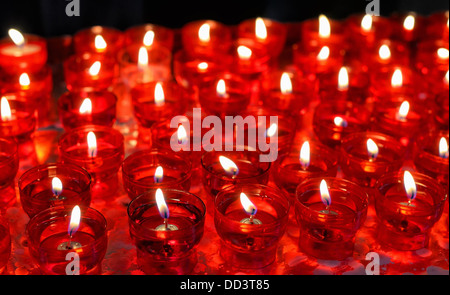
98,40
9,161
408,27
322,31
385,54
52,185
17,117
318,60
5,243
166,226
329,212
250,59
250,219
149,35
407,206
432,56
437,26
55,232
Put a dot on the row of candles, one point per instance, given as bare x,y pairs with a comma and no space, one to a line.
366,121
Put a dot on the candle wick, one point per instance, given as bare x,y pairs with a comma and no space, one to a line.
251,218
166,224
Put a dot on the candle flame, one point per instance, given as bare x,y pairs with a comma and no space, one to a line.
57,186
260,29
409,22
24,80
181,134
221,89
159,94
244,52
324,27
86,107
285,84
95,68
5,109
161,203
372,149
92,144
443,148
16,37
159,175
148,38
410,185
384,52
343,79
202,66
443,53
324,193
142,57
305,155
248,206
366,23
340,122
272,130
397,79
100,43
228,165
403,111
446,78
203,33
74,223
324,53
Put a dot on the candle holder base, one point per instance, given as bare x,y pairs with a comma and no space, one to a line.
158,265
248,259
402,241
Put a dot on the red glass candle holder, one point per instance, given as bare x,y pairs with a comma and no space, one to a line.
329,232
317,60
78,72
155,35
436,26
139,171
22,122
101,111
309,34
9,161
38,194
215,38
403,225
84,41
333,121
30,57
48,240
151,107
429,159
250,242
169,251
363,166
275,34
411,34
289,171
380,58
251,169
442,110
5,243
432,57
250,58
101,164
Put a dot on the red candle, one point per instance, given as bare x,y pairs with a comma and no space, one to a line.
149,35
98,40
250,59
17,118
329,212
437,26
98,149
250,220
5,243
407,206
166,226
321,32
318,60
79,108
9,161
432,57
385,54
408,27
50,240
22,53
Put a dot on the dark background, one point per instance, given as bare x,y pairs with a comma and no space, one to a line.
48,17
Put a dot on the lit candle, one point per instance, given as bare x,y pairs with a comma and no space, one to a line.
203,33
343,79
443,148
159,95
20,47
100,43
366,23
94,70
24,81
229,166
159,175
57,187
250,209
86,107
305,155
148,39
272,130
372,149
340,122
5,110
221,88
74,224
324,27
325,197
260,29
384,52
244,52
92,144
410,186
409,22
164,212
402,111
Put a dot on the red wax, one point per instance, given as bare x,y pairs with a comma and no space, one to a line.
254,245
329,233
31,57
103,108
9,161
36,193
73,149
166,252
84,41
138,171
162,36
276,34
148,111
358,166
47,231
5,243
218,43
405,226
23,119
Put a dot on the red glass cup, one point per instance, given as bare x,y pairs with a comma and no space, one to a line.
101,111
403,34
379,61
442,110
172,251
380,28
48,240
289,171
5,243
365,167
139,171
250,169
309,34
37,193
22,122
9,161
431,56
250,67
102,162
403,225
329,232
436,26
250,243
84,41
31,57
161,36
